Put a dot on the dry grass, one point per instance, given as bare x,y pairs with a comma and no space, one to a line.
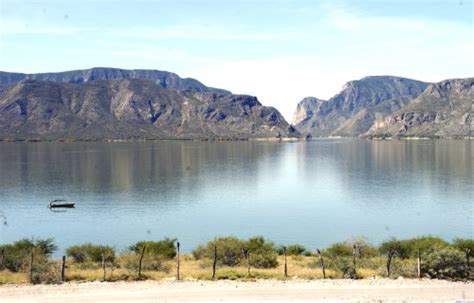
301,267
12,277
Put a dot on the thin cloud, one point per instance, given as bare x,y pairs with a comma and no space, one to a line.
199,32
23,27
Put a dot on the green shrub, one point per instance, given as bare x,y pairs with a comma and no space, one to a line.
345,249
160,249
341,249
262,253
91,252
424,244
466,246
44,270
149,262
16,256
444,263
229,250
344,266
293,250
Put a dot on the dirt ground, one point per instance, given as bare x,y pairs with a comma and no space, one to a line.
367,290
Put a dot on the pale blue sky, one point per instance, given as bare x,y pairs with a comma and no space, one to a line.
280,51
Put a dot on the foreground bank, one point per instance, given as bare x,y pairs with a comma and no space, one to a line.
231,258
375,290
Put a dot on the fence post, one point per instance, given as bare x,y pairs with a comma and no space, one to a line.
2,257
141,261
103,265
214,263
418,264
390,255
63,269
178,277
468,252
31,266
248,263
286,262
322,263
354,252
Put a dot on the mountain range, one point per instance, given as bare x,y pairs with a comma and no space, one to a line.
111,103
387,106
104,103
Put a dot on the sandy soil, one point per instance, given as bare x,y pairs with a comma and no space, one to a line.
260,291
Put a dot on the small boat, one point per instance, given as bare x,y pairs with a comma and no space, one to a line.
60,203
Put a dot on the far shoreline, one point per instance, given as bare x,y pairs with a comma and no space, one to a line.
261,139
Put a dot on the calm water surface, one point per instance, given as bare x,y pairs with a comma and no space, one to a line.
314,193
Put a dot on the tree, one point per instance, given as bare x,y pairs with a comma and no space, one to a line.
466,246
392,248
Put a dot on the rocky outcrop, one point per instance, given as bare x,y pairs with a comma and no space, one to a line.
445,109
305,109
353,111
162,78
126,109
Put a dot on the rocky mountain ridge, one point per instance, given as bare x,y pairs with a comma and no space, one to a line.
165,79
353,110
444,109
131,109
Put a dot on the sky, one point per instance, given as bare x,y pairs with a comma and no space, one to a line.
278,50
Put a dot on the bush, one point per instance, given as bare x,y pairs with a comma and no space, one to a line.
345,249
16,256
131,261
340,249
160,249
262,253
343,265
293,250
44,271
445,263
424,244
229,250
91,252
466,246
393,248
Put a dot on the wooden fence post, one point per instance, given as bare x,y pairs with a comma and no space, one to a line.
286,262
354,252
141,261
63,269
31,266
322,263
214,263
178,277
103,265
2,257
248,263
418,264
390,255
246,253
468,252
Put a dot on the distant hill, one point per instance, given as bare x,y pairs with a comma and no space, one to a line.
353,111
130,108
444,109
162,78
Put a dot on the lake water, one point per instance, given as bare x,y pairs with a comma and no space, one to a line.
314,193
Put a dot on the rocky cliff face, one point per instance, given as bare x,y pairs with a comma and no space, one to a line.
124,109
355,108
305,109
162,78
445,109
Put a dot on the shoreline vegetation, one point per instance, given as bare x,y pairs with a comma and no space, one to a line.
231,258
283,139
